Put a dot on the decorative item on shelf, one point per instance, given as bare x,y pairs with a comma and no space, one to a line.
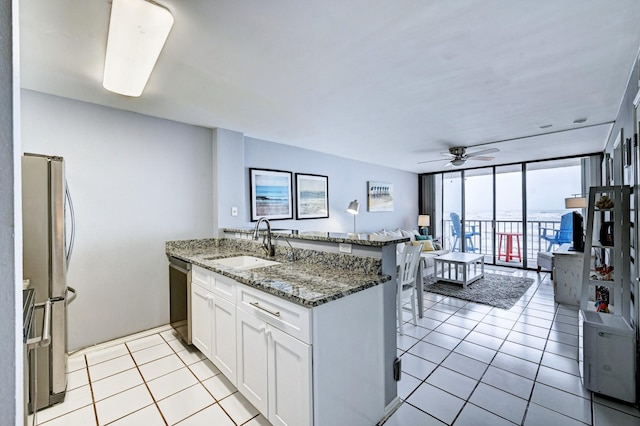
424,221
606,233
604,202
602,299
354,208
603,273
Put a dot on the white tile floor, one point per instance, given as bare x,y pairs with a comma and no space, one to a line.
464,364
150,380
470,364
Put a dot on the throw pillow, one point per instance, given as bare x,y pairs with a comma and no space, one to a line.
421,237
428,246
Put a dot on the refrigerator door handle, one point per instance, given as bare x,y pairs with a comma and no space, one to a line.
72,298
45,339
72,212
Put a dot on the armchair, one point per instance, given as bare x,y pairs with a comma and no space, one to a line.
559,236
456,233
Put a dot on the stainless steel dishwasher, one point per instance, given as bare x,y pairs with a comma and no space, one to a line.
180,297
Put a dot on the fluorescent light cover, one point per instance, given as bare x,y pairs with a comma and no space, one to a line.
137,32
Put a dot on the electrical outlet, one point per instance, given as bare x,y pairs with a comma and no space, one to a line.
234,211
344,248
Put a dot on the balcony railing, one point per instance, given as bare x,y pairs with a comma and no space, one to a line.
484,241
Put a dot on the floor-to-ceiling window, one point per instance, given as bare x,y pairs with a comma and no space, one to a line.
451,205
509,217
548,184
503,211
478,205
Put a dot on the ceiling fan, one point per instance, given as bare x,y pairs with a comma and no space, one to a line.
458,156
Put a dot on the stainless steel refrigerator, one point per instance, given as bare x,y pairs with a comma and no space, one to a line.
47,246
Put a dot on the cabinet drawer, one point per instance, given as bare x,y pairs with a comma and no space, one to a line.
287,316
201,277
224,287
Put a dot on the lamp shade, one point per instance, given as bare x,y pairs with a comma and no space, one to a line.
354,207
424,220
575,203
138,30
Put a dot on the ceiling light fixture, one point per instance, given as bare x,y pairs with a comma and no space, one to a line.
138,30
457,162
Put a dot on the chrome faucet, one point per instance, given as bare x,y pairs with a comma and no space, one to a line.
269,249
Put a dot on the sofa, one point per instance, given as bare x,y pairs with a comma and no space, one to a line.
427,254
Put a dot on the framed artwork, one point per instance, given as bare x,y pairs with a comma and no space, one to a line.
380,196
626,151
271,194
312,196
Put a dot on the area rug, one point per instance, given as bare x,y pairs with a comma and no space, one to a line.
500,291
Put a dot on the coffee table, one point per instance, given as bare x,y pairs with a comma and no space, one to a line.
459,268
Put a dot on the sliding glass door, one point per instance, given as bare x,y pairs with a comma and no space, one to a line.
451,206
478,209
509,217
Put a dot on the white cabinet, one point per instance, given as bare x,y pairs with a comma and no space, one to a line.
201,325
252,360
289,373
274,368
213,319
297,365
223,338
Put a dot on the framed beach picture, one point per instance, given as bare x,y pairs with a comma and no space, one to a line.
380,196
271,194
312,196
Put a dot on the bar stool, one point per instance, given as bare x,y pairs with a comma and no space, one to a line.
509,254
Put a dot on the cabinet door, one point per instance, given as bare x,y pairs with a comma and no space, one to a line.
201,319
289,374
223,340
252,360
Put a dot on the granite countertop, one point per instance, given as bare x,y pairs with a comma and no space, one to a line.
305,283
334,237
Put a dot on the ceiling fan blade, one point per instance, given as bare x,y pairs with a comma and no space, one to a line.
431,161
449,164
482,152
480,158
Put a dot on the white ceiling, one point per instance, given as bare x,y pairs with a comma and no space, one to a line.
386,82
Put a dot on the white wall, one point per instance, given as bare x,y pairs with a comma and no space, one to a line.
136,182
347,181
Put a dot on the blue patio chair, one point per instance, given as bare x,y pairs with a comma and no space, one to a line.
456,233
559,236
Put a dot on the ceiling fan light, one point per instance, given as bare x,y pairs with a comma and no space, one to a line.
457,162
138,30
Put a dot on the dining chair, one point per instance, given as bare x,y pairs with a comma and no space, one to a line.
406,281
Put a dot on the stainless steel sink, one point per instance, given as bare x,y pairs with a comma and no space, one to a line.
243,263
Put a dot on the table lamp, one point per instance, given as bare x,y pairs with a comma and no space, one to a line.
423,223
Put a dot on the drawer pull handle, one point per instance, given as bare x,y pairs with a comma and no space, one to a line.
257,305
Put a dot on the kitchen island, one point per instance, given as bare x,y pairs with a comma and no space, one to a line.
312,342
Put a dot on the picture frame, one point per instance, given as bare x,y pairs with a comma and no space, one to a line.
271,194
312,196
379,196
626,152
